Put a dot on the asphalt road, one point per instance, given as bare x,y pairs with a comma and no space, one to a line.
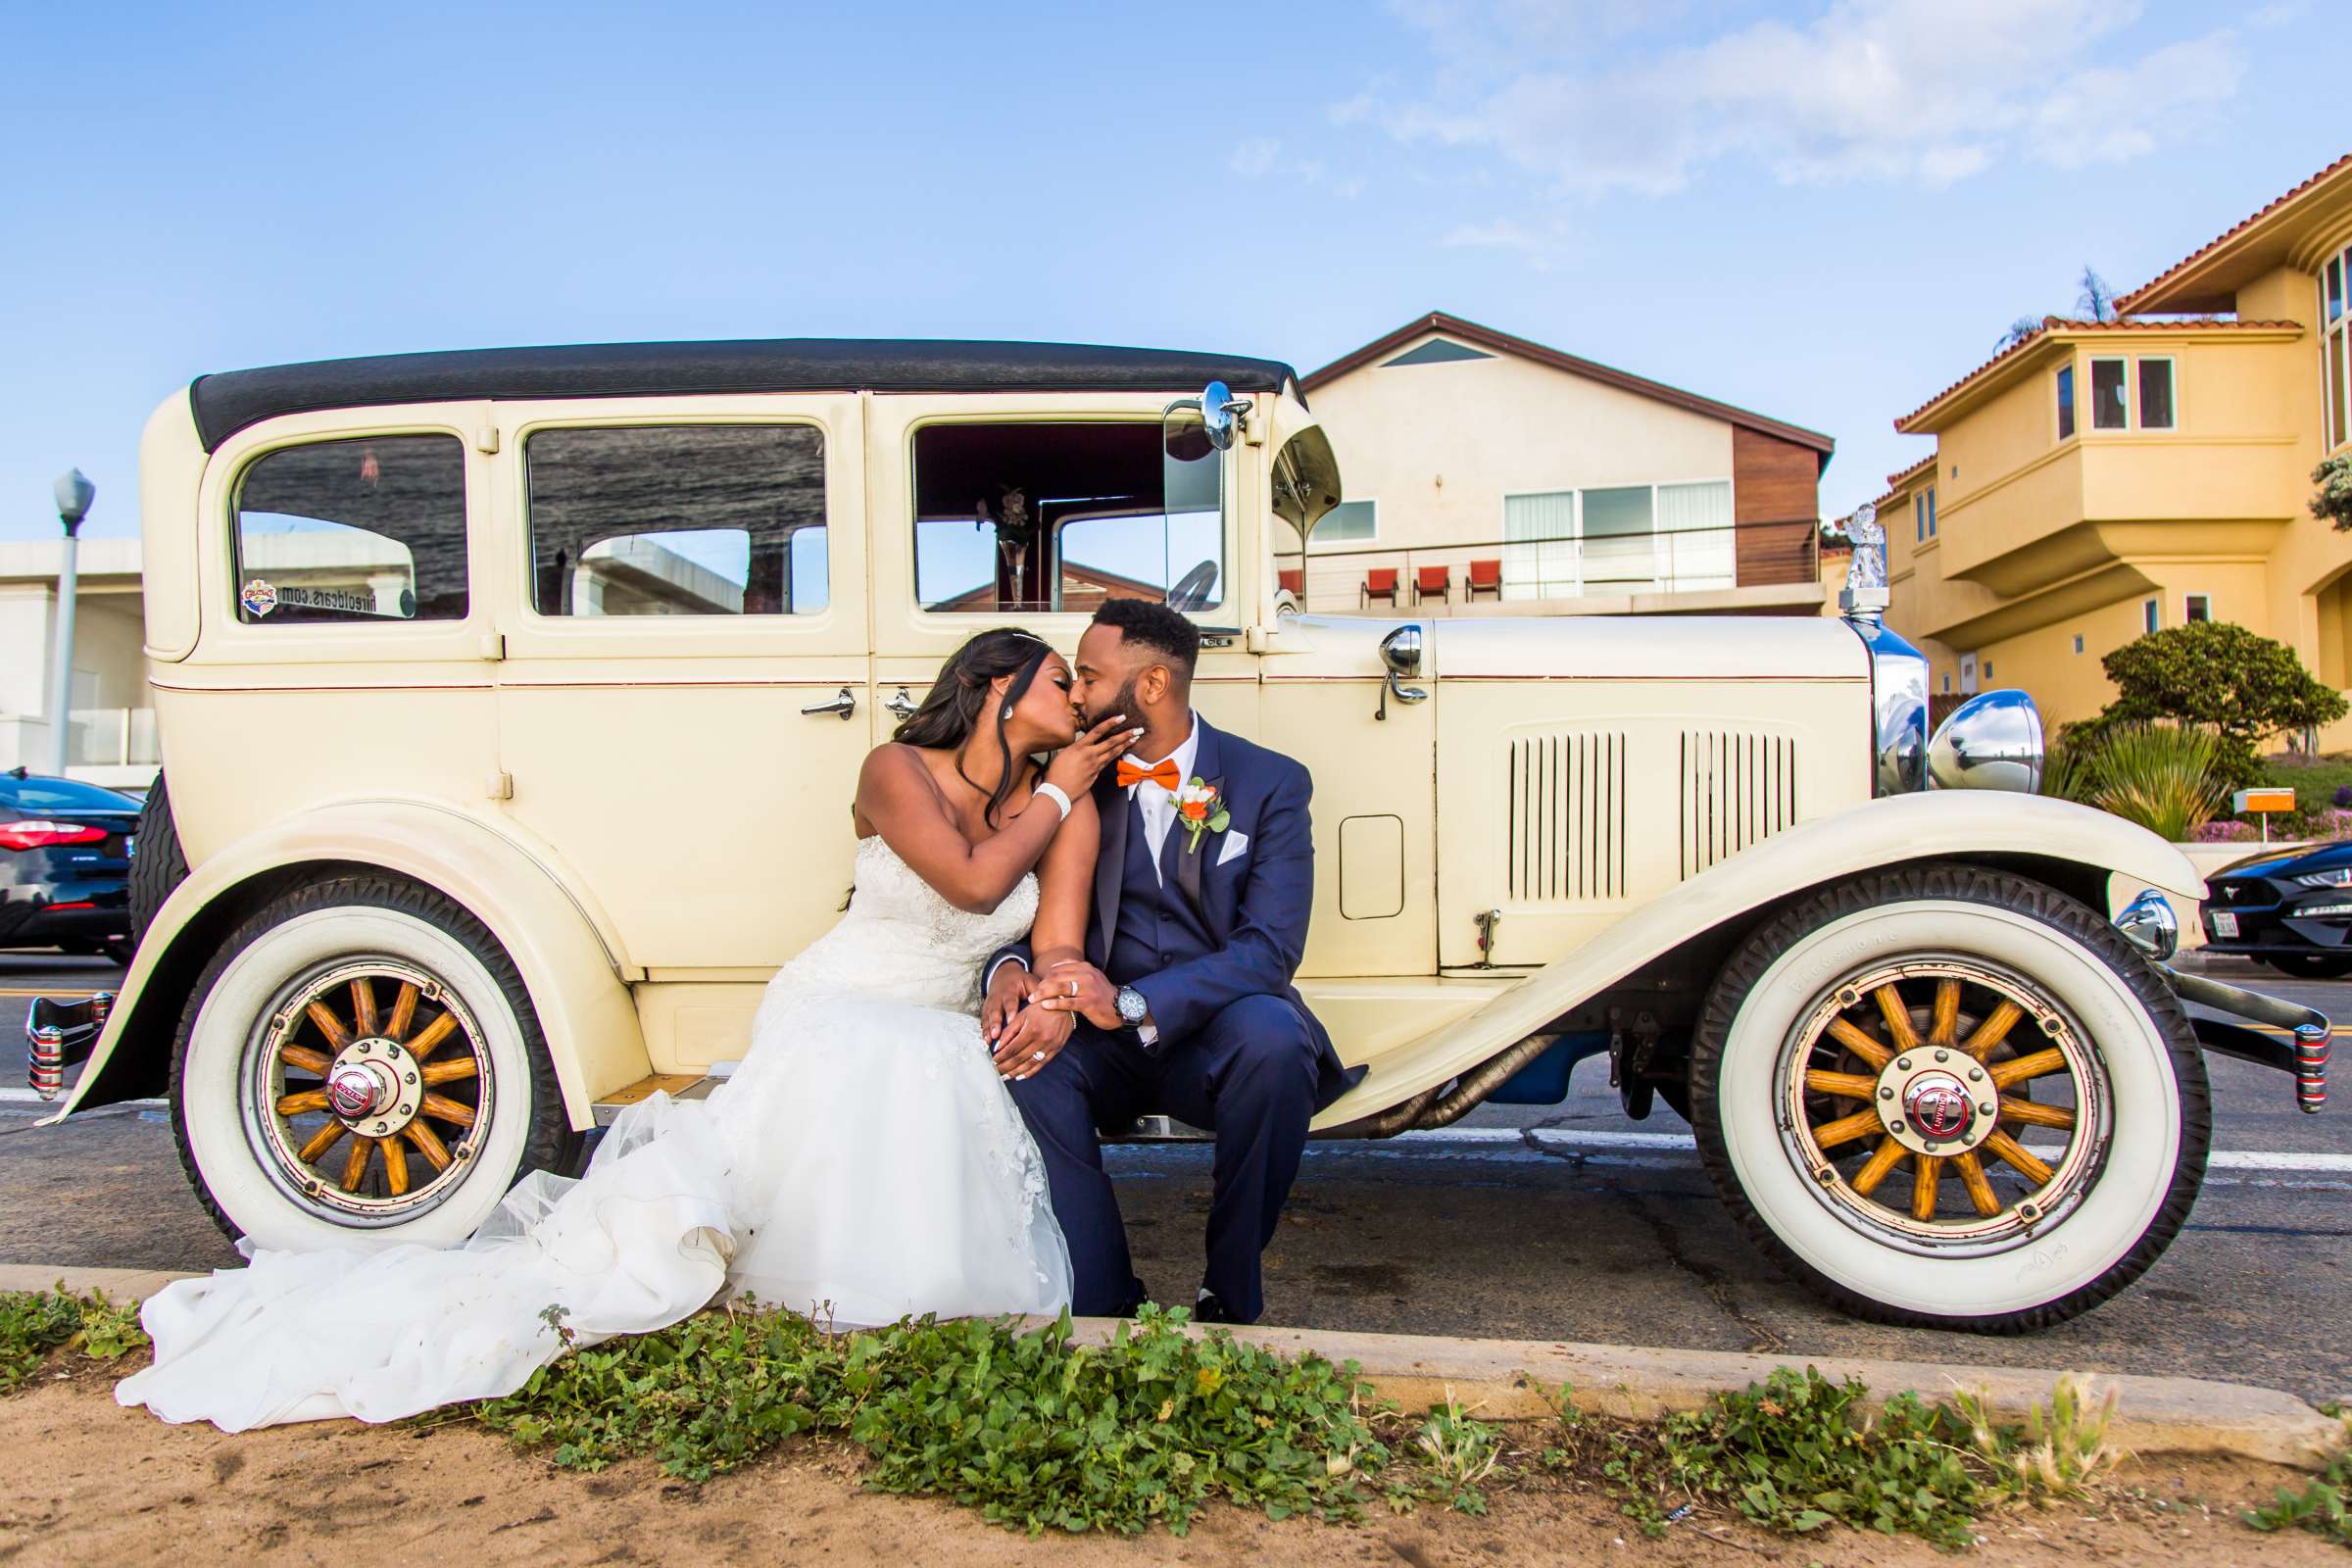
1531,1222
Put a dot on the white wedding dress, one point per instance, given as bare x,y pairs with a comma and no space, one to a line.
864,1163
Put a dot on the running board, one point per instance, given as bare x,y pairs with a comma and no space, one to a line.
677,1085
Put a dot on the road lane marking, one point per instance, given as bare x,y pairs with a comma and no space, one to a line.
1554,1138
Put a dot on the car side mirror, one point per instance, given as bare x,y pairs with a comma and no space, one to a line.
1400,652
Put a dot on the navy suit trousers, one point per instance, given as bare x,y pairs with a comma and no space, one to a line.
1249,1075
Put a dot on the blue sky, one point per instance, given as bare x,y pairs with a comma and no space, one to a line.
1822,212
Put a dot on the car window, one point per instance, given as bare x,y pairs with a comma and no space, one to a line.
1061,516
59,794
353,530
678,519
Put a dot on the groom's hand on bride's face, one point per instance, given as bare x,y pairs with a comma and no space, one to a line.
1079,989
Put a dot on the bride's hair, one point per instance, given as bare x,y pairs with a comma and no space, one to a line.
951,713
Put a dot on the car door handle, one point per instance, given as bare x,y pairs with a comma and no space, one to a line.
901,707
845,705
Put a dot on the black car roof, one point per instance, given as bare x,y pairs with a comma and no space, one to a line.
228,403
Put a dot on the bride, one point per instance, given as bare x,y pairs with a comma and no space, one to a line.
864,1163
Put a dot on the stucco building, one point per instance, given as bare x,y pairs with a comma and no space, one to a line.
2102,479
1486,474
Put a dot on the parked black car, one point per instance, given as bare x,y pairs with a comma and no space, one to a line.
65,865
2288,908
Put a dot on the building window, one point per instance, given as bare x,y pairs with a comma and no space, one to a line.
2156,394
2148,614
2110,401
2333,354
2078,642
1626,539
2198,607
1947,683
1988,669
2066,403
678,519
1349,522
353,532
1931,511
1919,517
1968,675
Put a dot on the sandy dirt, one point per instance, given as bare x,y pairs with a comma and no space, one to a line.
92,1482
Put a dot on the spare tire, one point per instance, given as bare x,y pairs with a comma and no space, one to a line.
157,867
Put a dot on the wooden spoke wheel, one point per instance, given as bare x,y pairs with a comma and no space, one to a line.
1942,1105
368,1084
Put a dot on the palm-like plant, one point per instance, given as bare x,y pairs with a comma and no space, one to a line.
2159,776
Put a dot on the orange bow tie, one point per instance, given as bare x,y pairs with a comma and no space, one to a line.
1163,773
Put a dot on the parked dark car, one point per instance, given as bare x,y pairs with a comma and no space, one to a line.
65,865
2288,908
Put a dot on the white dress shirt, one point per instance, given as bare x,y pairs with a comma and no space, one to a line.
1158,805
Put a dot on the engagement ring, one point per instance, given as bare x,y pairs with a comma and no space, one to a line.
1037,1056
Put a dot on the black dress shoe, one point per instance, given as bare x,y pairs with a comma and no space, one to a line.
1211,1309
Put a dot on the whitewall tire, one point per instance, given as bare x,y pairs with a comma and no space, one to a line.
361,1063
1950,1096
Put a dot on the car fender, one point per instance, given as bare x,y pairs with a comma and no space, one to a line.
1942,825
569,957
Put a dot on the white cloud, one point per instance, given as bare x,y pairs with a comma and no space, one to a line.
1919,92
1253,156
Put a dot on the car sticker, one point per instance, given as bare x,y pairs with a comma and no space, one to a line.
259,598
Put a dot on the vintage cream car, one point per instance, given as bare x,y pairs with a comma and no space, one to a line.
511,704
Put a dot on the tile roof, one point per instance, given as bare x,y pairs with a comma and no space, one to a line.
1894,481
2132,299
2060,324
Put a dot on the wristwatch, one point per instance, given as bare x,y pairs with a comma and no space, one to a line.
1133,1008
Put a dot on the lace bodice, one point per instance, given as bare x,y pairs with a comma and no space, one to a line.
901,939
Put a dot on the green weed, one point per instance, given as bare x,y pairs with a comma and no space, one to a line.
1460,1453
1035,1430
1794,1454
34,1323
2324,1506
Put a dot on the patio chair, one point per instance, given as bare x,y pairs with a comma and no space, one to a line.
1486,577
1433,582
1380,582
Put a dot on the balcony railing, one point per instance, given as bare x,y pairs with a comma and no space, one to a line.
1681,561
113,737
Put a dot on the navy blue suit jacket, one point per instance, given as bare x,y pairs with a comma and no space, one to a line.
1254,904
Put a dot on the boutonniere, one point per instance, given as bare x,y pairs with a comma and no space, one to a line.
1201,810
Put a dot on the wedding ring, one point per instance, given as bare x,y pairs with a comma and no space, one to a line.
1073,988
1037,1056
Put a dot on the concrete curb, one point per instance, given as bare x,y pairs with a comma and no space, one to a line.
1503,1380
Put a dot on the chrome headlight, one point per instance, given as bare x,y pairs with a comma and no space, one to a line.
1991,742
2336,877
1898,700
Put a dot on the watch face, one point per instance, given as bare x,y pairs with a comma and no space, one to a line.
1132,1006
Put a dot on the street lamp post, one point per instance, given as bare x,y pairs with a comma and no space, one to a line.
74,495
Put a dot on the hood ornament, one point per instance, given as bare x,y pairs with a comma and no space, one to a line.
1865,597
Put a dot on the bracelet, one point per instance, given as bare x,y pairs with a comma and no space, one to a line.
1052,792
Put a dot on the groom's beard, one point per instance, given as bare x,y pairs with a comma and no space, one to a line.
1124,703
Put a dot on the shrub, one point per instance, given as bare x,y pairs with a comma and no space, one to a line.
2161,776
2333,503
2245,687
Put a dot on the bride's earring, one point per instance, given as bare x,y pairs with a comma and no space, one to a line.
1007,714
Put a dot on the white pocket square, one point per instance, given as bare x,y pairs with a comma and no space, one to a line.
1236,844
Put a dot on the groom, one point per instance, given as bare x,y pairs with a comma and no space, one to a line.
1185,1000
